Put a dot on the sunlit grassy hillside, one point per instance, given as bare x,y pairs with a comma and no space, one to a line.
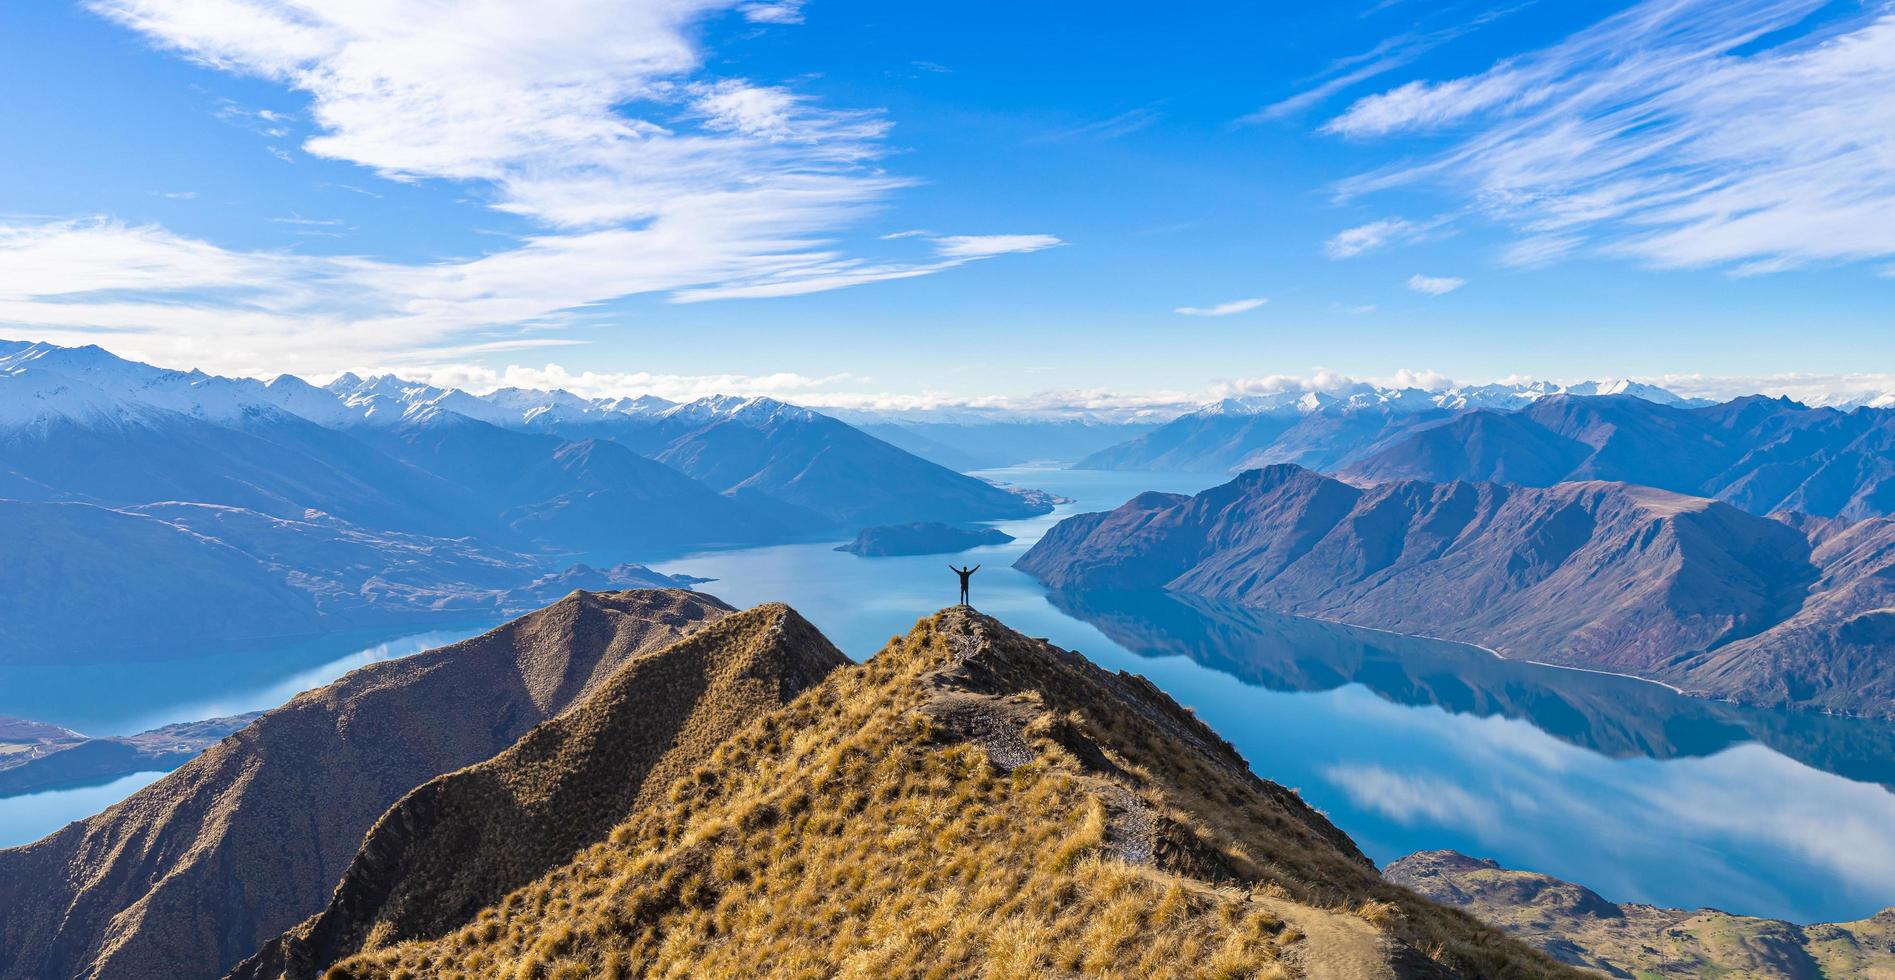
968,802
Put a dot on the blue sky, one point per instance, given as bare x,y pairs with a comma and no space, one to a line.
896,204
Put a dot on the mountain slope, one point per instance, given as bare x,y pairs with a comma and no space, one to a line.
989,443
462,841
968,801
1201,442
1575,925
1599,575
804,462
197,870
1331,428
1761,454
270,462
592,497
1833,653
236,579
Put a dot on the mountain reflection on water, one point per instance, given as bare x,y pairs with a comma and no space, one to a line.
1621,717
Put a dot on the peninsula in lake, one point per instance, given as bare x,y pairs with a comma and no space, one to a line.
921,538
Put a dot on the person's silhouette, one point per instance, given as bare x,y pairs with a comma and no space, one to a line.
965,574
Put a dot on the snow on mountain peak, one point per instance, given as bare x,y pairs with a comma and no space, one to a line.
89,384
1356,396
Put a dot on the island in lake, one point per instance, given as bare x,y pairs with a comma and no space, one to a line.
921,538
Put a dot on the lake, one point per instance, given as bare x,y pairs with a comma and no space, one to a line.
124,699
1407,744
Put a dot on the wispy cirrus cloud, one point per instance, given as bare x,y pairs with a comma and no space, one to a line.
1110,128
1435,285
1365,238
1679,133
595,121
981,246
1223,309
1385,56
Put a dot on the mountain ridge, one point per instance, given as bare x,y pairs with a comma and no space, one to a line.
1684,590
1014,793
494,826
1762,454
195,871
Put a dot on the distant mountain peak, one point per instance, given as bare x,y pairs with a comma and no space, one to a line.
748,408
1358,396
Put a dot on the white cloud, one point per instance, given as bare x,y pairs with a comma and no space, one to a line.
1411,799
777,12
1223,309
1423,105
1680,133
479,380
593,119
981,246
1351,242
1435,285
1387,55
1109,128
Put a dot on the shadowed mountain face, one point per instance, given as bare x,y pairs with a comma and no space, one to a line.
990,443
237,579
1759,454
197,870
464,840
1005,807
1617,716
594,498
287,510
1599,575
805,463
1577,926
264,460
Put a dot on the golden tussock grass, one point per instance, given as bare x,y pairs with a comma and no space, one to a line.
868,830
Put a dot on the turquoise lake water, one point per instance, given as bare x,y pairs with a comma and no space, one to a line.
1407,744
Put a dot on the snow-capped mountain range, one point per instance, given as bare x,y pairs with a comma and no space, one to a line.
40,382
1502,397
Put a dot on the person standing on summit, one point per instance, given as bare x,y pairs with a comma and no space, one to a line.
965,574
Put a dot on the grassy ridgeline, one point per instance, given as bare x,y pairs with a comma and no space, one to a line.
969,801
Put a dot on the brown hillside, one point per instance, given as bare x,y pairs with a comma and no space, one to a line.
1574,924
462,841
197,870
968,802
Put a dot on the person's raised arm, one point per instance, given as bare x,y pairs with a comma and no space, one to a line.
951,568
971,571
